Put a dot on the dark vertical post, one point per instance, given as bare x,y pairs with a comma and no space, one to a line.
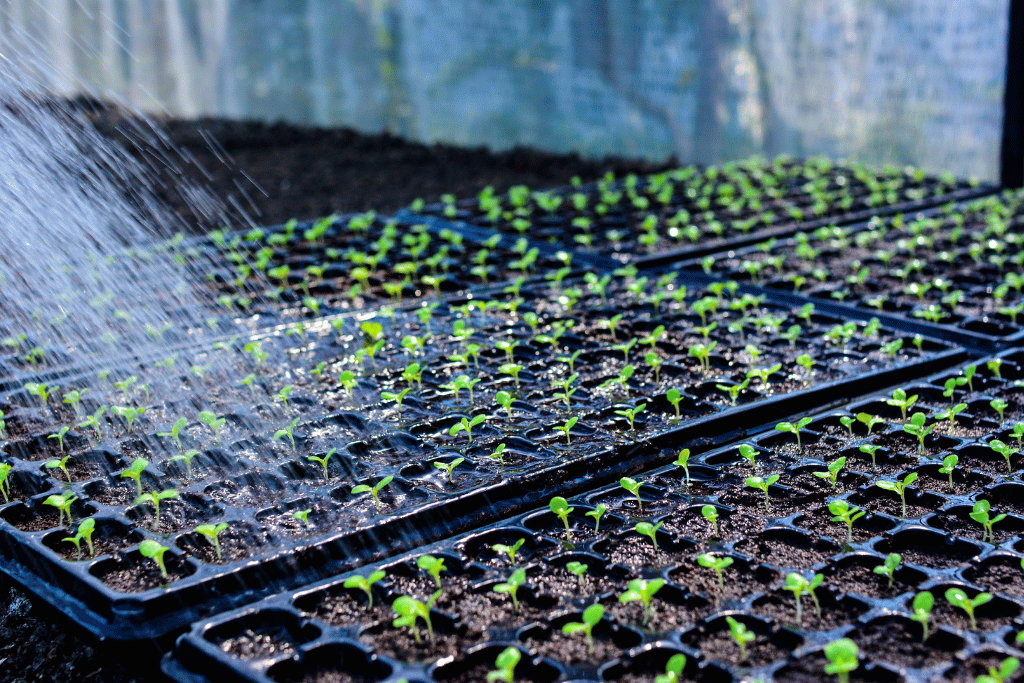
1011,160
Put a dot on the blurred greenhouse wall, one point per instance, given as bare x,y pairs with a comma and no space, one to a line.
902,81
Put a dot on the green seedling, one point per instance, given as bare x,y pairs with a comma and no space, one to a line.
74,399
84,532
734,390
154,498
710,513
128,414
303,516
842,657
741,635
323,462
949,464
763,485
154,551
413,373
999,405
288,432
449,467
642,591
951,413
847,514
94,421
365,584
1005,450
995,367
1018,432
794,429
283,394
981,515
466,425
591,618
916,427
958,598
211,532
374,490
250,381
62,501
580,570
175,433
499,454
807,363
749,453
800,586
187,457
683,461
650,531
509,550
597,513
922,606
719,564
512,586
410,610
560,508
673,670
888,567
900,487
633,486
433,566
871,450
655,362
5,484
41,391
902,401
61,464
134,472
504,399
60,437
567,427
869,421
847,422
505,666
674,397
1003,674
834,468
347,379
209,419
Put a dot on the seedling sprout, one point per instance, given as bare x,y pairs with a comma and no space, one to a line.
84,532
949,464
187,457
741,635
900,487
154,498
1006,451
409,610
565,428
762,484
505,666
597,513
749,453
62,501
60,439
888,567
511,586
5,484
650,531
922,606
154,551
509,550
449,467
374,490
719,564
633,486
365,584
1006,670
433,566
323,462
710,513
61,464
674,398
842,657
980,514
643,591
673,669
834,468
958,598
579,569
211,533
846,513
466,425
560,508
800,586
175,433
794,429
591,618
303,516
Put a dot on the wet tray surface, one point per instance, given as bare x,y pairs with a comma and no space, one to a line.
707,545
451,415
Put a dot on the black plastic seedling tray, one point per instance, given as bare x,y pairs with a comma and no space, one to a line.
634,200
953,280
255,482
328,631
